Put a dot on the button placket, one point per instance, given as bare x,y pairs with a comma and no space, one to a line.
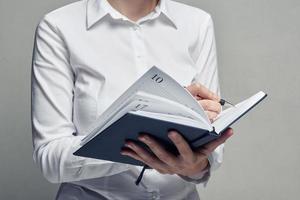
153,192
136,27
154,195
138,45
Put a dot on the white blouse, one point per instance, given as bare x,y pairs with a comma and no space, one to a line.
86,55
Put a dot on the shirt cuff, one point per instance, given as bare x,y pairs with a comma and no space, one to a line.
201,177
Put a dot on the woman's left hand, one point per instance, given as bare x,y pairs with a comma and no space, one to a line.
187,163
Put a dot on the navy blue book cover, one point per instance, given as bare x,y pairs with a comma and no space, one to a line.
108,144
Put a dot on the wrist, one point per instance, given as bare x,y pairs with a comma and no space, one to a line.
201,168
201,171
204,165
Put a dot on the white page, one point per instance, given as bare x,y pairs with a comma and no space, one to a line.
155,82
157,104
173,118
146,102
231,114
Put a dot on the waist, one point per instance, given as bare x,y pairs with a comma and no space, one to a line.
122,186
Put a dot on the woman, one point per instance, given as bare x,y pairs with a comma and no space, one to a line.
87,54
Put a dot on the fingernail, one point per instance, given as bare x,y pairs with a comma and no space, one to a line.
144,138
172,135
129,145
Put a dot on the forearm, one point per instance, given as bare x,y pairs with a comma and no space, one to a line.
58,164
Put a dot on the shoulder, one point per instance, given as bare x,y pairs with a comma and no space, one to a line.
66,15
184,13
193,23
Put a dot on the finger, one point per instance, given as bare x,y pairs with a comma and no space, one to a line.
210,105
211,146
158,150
211,115
182,146
146,156
130,153
196,89
133,155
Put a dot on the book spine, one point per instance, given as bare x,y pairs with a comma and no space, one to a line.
209,136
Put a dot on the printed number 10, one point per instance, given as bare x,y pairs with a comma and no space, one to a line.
157,79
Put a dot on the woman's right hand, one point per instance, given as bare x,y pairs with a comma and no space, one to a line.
208,100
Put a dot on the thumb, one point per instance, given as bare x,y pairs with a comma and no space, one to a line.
211,146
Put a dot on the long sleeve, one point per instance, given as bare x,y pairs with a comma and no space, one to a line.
54,138
207,74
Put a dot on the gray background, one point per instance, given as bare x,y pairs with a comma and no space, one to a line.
259,49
